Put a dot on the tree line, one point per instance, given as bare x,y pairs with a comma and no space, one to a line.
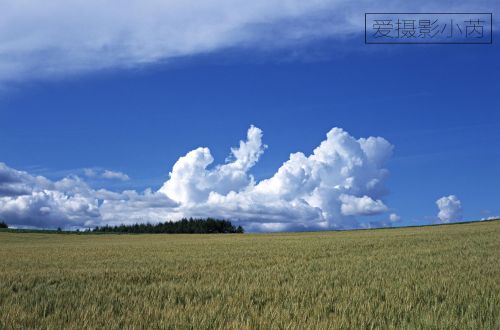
184,226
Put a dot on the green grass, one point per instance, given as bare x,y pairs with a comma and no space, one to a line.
428,277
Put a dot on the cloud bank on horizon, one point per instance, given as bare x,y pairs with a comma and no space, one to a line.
337,186
65,37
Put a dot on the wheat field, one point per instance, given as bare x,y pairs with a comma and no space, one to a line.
445,277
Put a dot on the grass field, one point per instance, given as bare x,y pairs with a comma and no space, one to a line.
428,277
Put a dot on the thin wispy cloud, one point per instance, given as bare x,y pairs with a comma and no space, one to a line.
105,174
61,38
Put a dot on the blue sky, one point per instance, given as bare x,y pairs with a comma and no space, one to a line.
438,105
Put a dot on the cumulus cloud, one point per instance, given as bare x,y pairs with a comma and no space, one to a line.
48,208
190,181
352,205
342,178
26,200
450,209
16,183
339,182
39,202
393,217
63,37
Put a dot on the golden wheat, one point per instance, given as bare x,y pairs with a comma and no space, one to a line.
445,277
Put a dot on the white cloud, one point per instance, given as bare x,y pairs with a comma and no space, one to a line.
352,205
393,217
16,183
105,174
89,172
38,202
190,181
48,208
131,206
450,209
67,36
342,179
62,37
113,175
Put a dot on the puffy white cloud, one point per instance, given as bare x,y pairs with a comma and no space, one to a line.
38,202
63,37
341,180
352,205
190,182
130,207
450,208
48,208
15,183
393,217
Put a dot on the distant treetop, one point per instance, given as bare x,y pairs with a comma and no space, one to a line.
184,226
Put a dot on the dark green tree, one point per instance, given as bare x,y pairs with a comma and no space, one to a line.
183,226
